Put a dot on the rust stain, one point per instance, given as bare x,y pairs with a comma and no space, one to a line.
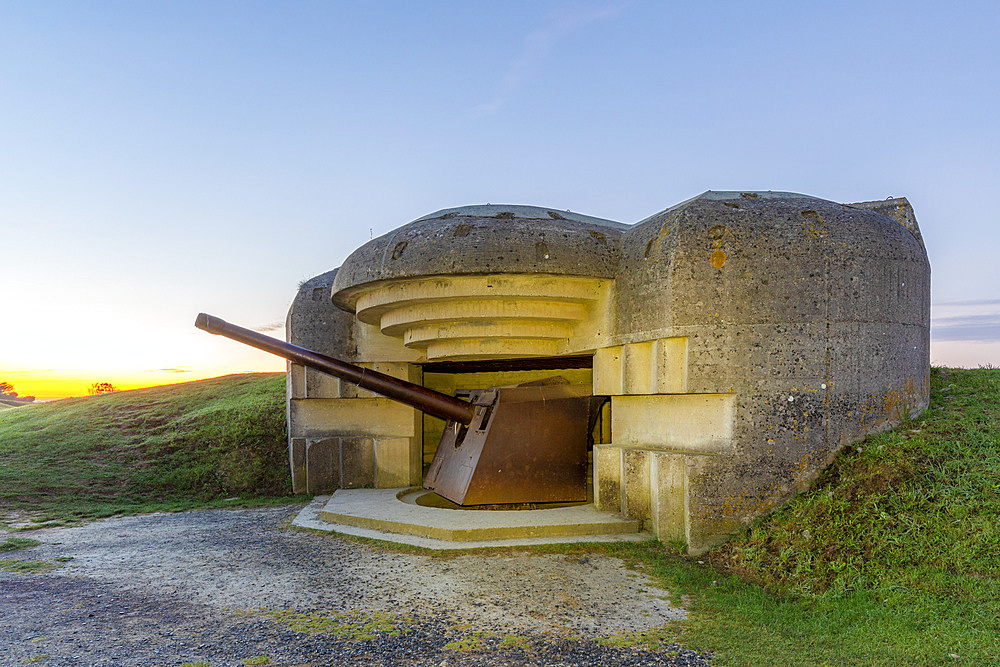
815,224
654,243
717,235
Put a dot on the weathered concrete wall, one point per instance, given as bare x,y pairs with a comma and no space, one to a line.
812,315
743,338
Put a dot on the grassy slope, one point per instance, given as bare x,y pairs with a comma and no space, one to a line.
901,534
892,558
158,448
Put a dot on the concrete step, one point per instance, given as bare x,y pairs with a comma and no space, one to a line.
394,515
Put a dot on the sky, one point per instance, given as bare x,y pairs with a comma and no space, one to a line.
158,159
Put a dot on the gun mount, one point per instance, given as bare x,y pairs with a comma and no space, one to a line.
517,444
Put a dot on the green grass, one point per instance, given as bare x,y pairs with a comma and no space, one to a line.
26,566
515,641
354,625
17,544
175,447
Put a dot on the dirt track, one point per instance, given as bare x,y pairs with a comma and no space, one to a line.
214,586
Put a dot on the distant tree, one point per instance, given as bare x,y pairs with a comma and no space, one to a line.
101,388
7,392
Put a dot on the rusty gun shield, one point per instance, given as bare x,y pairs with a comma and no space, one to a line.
525,444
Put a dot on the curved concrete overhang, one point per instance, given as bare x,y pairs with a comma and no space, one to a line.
486,316
485,239
484,281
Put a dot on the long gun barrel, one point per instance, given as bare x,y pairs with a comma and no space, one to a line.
422,398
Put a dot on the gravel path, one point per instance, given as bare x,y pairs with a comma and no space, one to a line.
225,586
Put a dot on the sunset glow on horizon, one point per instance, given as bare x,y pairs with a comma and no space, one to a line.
129,354
53,384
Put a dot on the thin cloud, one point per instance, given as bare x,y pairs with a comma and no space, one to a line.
267,328
981,328
539,42
168,370
973,302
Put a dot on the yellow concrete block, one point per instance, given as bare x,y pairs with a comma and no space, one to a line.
668,495
640,368
647,367
296,381
392,463
352,417
700,423
373,345
608,478
397,369
605,423
670,365
321,385
608,372
635,484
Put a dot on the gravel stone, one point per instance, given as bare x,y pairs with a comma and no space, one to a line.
165,589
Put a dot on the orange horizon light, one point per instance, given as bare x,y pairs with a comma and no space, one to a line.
52,386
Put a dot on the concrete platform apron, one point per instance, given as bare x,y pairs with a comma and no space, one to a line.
393,515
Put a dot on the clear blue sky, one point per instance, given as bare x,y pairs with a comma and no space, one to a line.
162,158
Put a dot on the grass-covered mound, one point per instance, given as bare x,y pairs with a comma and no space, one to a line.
917,509
167,447
892,558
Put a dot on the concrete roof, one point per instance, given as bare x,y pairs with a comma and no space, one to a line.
485,239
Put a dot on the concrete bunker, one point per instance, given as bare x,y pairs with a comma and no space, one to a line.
742,339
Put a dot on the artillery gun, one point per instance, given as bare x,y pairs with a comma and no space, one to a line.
511,444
